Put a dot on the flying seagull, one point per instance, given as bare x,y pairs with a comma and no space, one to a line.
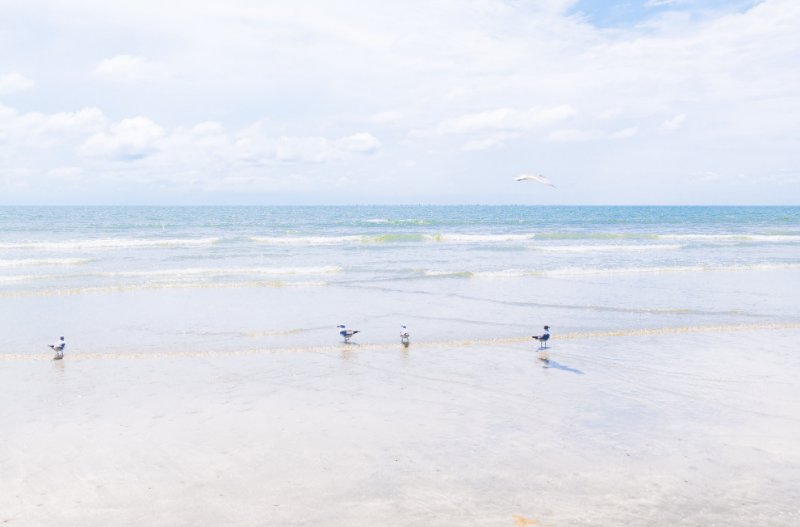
539,179
346,333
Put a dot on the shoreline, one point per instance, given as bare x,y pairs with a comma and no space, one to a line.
429,344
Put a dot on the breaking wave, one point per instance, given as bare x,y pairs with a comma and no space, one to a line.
477,238
607,248
589,271
158,286
109,243
391,237
231,271
306,240
712,238
41,262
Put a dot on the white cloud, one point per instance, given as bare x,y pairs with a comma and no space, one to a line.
361,143
388,116
322,150
673,123
81,121
485,143
660,3
708,176
501,119
14,82
131,139
625,133
209,147
304,150
578,134
572,134
65,173
280,90
128,68
39,130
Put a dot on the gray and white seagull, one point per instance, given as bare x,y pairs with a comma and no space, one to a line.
58,347
346,333
543,338
405,336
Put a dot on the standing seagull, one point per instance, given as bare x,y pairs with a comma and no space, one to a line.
346,333
405,336
58,347
543,338
540,179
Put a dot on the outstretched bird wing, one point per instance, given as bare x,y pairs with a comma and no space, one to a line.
538,178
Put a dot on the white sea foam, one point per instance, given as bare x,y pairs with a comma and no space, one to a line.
193,277
477,238
588,271
307,240
440,273
32,262
121,288
607,248
386,221
306,283
10,279
229,271
579,271
109,243
391,237
711,238
505,273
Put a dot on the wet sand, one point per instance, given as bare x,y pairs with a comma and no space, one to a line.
660,428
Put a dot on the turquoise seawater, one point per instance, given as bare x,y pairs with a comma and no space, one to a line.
116,279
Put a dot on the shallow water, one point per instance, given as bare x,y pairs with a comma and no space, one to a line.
155,279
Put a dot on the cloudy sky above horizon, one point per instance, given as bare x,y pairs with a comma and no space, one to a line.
267,102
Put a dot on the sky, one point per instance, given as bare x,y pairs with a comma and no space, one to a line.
617,102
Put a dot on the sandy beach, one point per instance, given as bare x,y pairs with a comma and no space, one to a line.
201,202
649,428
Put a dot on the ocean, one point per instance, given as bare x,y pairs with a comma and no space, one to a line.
205,382
123,280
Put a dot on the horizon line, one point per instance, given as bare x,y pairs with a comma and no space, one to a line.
243,205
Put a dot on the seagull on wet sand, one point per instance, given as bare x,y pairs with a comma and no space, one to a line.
543,338
58,347
405,336
540,179
346,333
